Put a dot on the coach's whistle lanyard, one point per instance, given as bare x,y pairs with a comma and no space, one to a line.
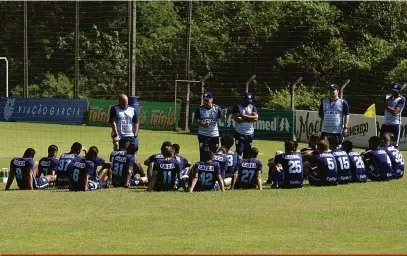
332,103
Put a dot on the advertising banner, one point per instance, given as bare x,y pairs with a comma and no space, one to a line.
360,128
153,115
272,124
60,111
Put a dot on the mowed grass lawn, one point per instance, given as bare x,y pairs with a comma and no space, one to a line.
355,218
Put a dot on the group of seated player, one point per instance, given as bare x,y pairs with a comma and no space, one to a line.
326,163
323,163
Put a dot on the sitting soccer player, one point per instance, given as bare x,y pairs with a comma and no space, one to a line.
221,158
125,168
22,168
397,160
100,176
122,150
149,162
357,166
377,161
48,165
291,173
62,181
320,165
165,172
312,143
248,172
342,160
227,142
206,174
80,172
185,164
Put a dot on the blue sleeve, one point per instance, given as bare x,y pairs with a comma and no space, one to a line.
236,110
31,164
197,113
91,168
277,160
260,166
254,110
54,164
401,103
178,167
217,169
135,117
112,116
345,108
220,112
100,161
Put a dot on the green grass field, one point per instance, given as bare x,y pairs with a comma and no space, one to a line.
355,218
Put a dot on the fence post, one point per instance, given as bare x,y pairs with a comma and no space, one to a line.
25,52
249,81
203,85
76,82
293,86
343,87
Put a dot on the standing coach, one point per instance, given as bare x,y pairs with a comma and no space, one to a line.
124,121
334,113
206,117
244,115
393,106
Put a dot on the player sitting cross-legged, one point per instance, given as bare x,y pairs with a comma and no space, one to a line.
62,181
248,172
221,158
185,164
22,168
206,173
80,172
125,168
48,165
342,160
166,171
377,161
397,160
320,165
288,170
105,171
357,166
149,162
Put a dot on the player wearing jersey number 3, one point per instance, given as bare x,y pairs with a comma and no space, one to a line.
334,113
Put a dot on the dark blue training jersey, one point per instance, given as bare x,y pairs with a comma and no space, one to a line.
223,163
378,165
397,161
21,167
293,169
248,170
326,166
62,170
233,158
47,165
78,173
120,168
167,171
357,167
343,165
208,173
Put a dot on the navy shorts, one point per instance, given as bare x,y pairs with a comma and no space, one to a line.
133,140
207,143
394,129
41,183
243,143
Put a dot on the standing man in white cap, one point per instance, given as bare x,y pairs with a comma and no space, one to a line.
206,117
334,113
244,115
393,106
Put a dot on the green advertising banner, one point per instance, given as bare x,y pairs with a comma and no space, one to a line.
272,124
153,115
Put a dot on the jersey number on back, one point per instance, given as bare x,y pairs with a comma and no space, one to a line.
75,175
118,169
63,164
344,162
294,166
206,178
247,175
19,173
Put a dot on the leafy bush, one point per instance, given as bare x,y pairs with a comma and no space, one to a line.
307,98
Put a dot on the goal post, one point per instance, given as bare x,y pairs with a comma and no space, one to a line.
187,99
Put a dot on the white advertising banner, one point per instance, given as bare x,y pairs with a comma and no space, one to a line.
360,128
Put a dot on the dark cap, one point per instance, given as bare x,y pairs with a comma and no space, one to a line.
248,96
396,87
334,87
207,96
